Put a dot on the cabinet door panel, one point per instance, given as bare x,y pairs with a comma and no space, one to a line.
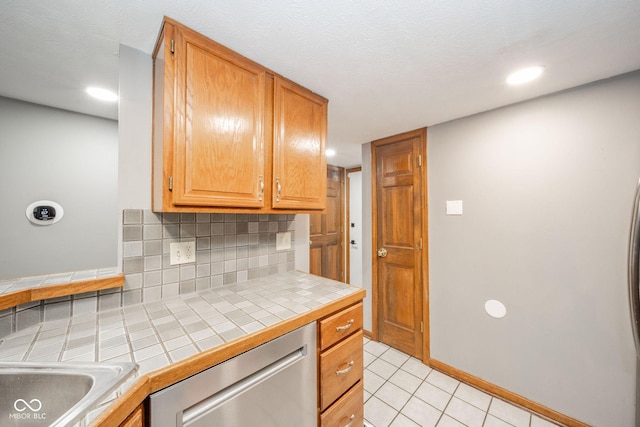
315,260
136,419
220,158
299,163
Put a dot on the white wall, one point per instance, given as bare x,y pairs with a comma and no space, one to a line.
135,113
71,159
135,118
355,231
547,187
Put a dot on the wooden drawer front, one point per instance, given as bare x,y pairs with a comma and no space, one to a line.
340,368
347,411
340,325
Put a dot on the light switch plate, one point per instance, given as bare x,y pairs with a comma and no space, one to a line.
454,207
182,253
283,241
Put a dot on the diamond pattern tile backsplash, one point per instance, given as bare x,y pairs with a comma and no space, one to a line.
230,248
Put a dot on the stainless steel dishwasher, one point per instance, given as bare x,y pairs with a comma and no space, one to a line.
273,384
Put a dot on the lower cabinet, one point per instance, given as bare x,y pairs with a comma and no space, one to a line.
136,419
340,361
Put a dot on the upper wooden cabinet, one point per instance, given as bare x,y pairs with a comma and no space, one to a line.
299,162
230,135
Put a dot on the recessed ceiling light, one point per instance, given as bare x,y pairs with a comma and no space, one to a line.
102,94
525,75
330,152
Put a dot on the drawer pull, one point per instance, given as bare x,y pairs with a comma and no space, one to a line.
350,419
345,370
347,326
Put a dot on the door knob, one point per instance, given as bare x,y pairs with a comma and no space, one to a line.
353,242
382,252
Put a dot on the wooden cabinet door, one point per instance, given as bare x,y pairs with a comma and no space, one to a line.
219,134
136,419
299,142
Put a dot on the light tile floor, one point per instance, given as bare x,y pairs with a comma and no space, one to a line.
400,391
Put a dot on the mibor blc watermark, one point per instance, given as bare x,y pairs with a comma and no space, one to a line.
30,410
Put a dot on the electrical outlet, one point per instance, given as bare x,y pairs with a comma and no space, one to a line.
182,253
283,241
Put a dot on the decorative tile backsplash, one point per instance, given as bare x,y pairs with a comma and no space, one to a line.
230,248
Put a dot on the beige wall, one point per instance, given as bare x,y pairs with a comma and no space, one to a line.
547,187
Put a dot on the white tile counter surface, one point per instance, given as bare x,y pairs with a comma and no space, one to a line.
159,333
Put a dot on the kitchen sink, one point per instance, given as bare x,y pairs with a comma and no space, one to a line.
56,394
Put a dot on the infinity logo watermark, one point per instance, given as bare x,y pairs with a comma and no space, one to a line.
34,406
21,405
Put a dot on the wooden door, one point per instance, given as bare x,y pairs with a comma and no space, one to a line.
399,242
326,230
220,108
299,142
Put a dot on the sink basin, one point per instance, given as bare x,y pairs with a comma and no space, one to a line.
56,394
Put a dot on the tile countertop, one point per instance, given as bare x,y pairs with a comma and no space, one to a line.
158,334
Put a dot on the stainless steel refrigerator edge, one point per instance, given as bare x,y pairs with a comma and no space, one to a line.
634,289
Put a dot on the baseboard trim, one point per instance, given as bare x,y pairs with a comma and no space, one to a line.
367,334
505,394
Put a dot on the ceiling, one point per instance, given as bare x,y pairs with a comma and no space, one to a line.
386,66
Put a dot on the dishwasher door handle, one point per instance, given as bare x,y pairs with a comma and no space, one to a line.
214,401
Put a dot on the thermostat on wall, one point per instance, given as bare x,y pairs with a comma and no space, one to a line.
44,212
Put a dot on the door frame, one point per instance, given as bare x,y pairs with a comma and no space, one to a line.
424,276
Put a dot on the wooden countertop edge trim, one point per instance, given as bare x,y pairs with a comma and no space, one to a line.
22,296
123,406
506,394
120,409
14,299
